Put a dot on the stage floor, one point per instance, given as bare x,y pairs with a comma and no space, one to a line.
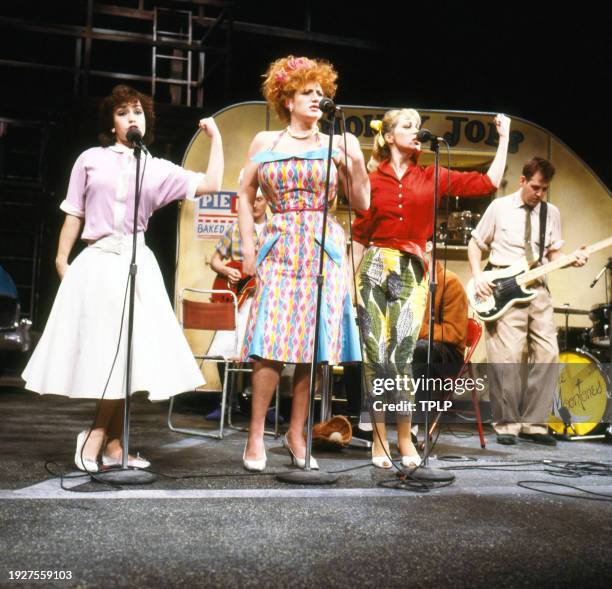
224,527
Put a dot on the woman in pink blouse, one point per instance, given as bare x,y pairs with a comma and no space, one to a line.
82,351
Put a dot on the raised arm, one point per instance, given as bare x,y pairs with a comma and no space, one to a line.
246,198
498,165
71,229
214,172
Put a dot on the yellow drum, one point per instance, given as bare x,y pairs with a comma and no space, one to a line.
584,388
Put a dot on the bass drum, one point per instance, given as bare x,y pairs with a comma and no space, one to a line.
584,391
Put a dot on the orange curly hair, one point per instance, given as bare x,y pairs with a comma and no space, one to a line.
287,75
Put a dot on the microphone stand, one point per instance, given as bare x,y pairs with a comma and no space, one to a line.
308,476
424,472
125,475
607,266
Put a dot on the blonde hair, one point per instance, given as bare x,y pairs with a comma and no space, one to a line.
287,75
381,150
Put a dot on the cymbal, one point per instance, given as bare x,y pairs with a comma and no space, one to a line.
567,310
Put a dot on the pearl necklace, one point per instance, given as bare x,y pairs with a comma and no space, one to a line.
310,133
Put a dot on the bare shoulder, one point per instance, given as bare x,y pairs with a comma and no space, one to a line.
351,140
263,140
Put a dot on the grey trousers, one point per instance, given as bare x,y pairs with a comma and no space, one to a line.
523,356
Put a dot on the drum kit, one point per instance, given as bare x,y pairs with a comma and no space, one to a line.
583,400
458,230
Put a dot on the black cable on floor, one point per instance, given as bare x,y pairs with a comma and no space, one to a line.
406,483
116,487
589,495
456,458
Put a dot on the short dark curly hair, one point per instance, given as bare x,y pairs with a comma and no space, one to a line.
119,96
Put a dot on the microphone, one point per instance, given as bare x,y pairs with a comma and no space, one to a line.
607,266
135,136
327,105
425,135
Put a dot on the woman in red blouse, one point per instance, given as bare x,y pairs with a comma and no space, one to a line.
392,278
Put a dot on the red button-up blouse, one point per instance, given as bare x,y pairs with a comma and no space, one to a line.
399,216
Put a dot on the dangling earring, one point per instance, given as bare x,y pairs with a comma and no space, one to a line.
113,130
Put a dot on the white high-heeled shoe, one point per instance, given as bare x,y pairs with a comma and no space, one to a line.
134,462
299,462
257,465
411,461
381,461
84,464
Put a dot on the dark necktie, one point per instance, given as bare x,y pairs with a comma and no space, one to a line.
528,250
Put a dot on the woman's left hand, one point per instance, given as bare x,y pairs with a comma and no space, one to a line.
502,124
209,127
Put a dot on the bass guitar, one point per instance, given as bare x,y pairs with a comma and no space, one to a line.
510,284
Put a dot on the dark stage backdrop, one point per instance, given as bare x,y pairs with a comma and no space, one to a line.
543,62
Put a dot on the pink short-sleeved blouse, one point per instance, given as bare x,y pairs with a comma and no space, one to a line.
101,189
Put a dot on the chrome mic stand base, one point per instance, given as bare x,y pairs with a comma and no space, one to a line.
128,476
308,477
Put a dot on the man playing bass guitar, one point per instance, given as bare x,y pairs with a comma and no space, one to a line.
521,225
226,262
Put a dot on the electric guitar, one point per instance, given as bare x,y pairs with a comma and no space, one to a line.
510,284
242,289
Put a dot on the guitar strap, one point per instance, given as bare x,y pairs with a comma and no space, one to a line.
543,217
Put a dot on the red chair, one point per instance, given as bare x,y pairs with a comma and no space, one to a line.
218,316
474,333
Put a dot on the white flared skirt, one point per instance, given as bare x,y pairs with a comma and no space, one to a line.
82,351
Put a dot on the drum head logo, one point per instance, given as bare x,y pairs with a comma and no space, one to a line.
581,394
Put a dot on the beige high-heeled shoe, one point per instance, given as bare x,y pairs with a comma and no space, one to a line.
299,462
137,461
257,465
84,464
383,460
411,461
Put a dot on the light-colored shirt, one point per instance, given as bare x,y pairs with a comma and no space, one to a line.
502,230
101,189
230,245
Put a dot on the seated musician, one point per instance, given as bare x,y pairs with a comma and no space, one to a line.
226,262
450,328
228,251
